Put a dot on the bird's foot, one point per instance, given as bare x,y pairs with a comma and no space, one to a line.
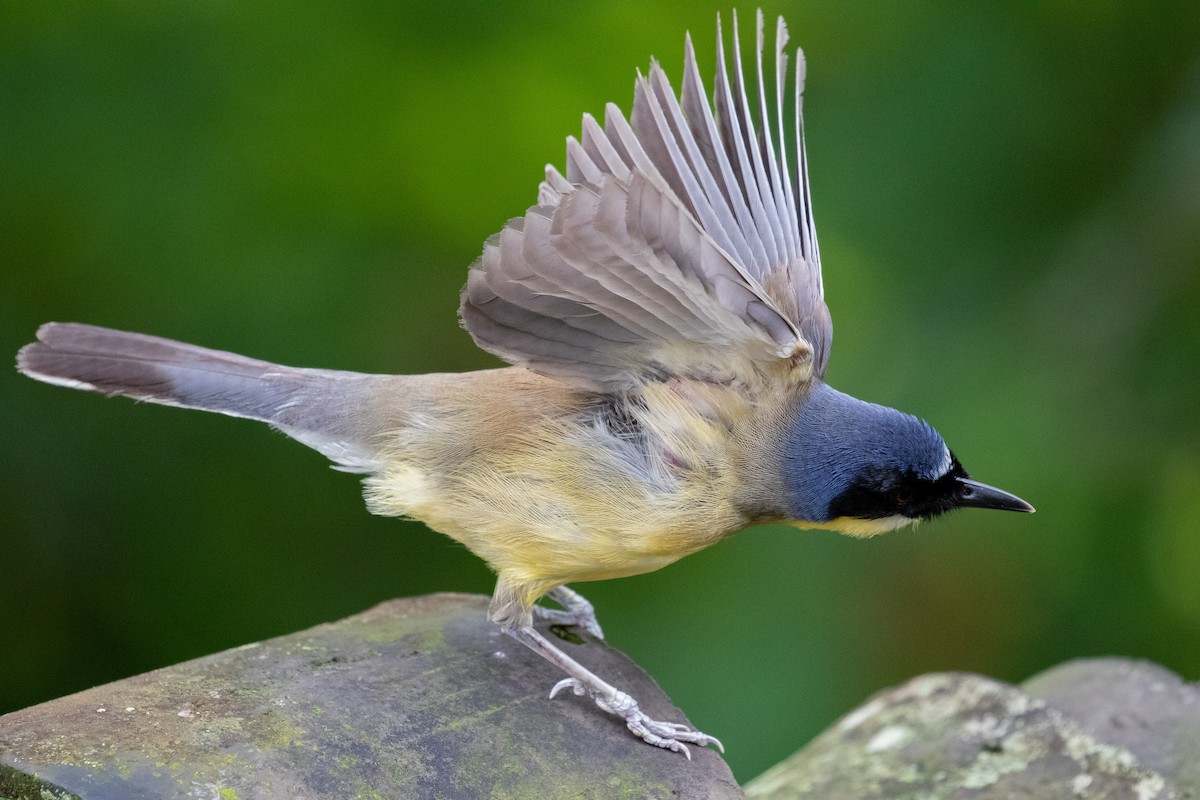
576,610
668,735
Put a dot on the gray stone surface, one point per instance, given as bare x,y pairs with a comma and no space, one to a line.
963,736
1138,705
417,698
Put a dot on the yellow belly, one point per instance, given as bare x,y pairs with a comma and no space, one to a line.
547,498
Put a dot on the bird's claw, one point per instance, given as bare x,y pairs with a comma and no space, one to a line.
667,735
578,618
576,610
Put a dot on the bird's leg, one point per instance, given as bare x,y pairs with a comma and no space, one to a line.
576,610
668,735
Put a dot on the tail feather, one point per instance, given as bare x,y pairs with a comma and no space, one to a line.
155,370
326,409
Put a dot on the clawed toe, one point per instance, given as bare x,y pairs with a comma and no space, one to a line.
672,736
575,618
672,732
667,735
565,683
576,610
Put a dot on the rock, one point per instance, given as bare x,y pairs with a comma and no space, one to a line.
947,736
411,699
1138,705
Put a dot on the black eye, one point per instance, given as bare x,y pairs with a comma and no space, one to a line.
902,496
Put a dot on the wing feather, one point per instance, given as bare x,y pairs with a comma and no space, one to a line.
701,192
705,131
601,149
678,243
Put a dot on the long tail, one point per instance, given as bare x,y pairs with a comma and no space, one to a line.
334,412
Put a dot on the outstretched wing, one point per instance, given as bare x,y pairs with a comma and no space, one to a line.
679,243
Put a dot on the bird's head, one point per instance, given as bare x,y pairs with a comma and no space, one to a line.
865,469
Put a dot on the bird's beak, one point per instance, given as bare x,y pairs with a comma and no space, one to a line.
980,495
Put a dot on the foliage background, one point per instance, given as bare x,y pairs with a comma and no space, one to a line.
1009,202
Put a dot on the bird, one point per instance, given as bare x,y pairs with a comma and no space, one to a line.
662,312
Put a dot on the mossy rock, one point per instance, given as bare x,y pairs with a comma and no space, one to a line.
413,698
1098,729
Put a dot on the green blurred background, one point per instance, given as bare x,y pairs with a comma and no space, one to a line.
1008,197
